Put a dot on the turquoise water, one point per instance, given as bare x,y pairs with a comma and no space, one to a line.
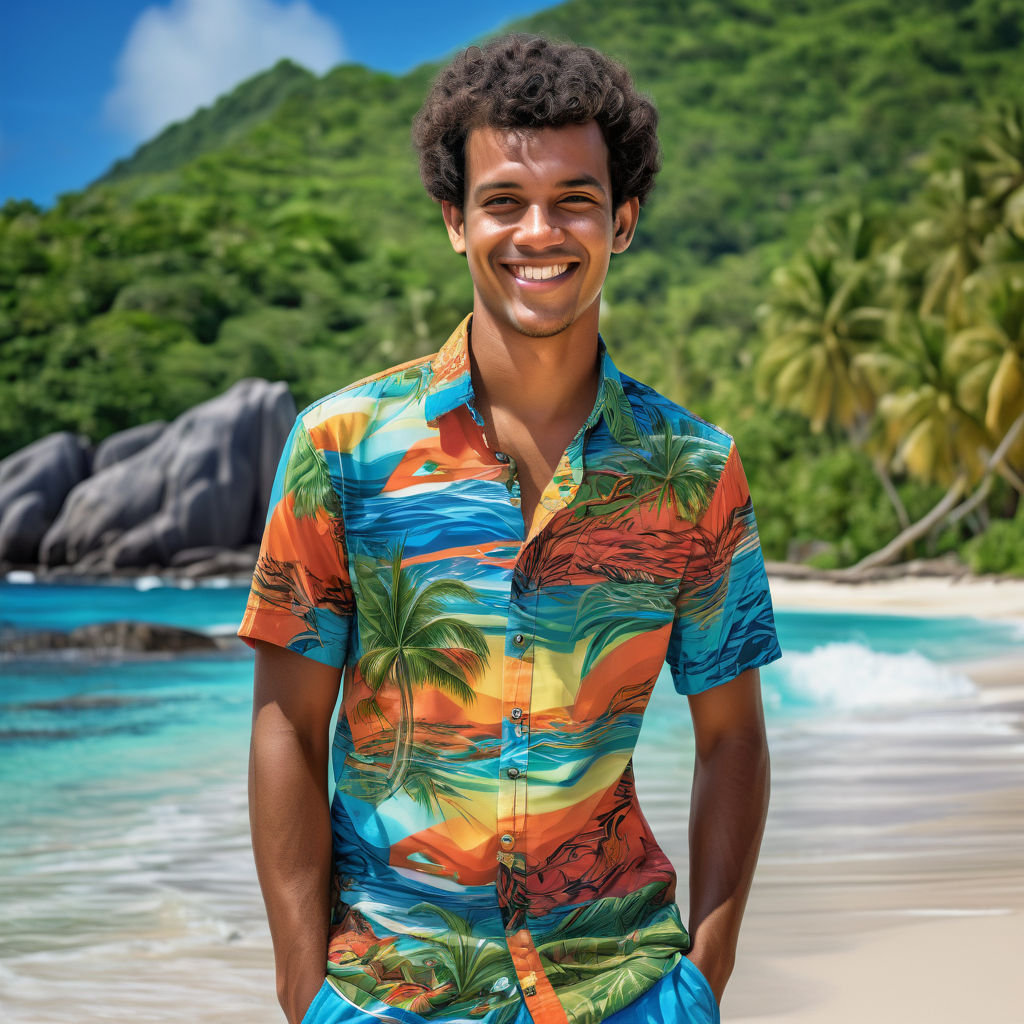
71,722
122,784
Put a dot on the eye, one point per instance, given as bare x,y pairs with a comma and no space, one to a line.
498,201
580,198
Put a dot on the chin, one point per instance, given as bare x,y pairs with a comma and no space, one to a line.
546,329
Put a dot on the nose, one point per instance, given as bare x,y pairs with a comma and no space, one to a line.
538,229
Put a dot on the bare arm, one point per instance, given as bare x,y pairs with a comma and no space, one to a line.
289,815
727,815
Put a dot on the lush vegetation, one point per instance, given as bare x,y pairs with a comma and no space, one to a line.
829,265
904,330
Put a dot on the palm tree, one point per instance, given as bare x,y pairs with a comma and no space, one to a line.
947,244
823,312
408,644
998,155
988,358
930,432
927,429
825,317
678,471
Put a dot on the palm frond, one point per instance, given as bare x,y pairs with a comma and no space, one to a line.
308,479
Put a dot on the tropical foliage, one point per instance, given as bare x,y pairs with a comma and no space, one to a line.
923,369
283,233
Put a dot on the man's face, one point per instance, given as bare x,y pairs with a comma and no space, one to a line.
538,226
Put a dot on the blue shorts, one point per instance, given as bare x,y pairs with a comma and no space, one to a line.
682,997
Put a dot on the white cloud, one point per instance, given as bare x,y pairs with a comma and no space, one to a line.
180,57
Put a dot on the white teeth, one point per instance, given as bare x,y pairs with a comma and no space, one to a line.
539,273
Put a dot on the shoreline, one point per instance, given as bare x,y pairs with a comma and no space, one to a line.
981,597
921,589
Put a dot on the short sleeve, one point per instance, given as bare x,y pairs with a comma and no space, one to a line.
301,596
723,623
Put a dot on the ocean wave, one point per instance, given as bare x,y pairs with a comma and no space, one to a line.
853,676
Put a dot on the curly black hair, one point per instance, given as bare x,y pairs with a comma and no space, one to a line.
523,82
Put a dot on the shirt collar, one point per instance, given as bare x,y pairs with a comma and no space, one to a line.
451,385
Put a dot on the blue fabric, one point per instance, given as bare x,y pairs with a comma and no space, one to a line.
681,997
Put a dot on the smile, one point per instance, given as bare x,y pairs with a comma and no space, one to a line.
529,273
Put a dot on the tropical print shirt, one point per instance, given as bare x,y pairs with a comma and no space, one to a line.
488,847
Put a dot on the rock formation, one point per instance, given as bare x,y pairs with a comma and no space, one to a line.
118,637
34,483
119,446
158,491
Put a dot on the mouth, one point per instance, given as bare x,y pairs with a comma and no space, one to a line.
547,274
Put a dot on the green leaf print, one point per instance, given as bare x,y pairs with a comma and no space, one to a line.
308,480
677,471
409,643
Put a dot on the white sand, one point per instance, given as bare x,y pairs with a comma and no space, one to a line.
949,969
986,597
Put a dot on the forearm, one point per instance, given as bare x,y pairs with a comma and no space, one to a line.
291,837
727,815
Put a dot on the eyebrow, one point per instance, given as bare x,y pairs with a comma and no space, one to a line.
579,182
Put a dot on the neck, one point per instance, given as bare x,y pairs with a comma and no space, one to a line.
536,381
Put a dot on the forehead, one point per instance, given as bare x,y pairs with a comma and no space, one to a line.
536,155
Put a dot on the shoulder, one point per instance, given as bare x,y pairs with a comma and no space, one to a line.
653,411
341,419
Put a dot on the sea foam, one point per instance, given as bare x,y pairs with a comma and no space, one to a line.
852,676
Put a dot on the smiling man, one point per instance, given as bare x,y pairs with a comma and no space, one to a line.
492,552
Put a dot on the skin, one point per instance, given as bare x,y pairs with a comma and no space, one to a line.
538,199
728,806
289,816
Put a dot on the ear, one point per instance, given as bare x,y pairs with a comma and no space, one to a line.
624,224
456,225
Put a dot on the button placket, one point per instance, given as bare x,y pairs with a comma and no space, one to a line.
512,774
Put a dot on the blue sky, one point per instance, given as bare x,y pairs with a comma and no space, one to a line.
82,84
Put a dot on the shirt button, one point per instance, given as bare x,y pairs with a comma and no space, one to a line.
501,456
507,842
519,639
512,773
517,713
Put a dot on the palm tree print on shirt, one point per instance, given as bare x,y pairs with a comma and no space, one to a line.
677,471
297,588
409,643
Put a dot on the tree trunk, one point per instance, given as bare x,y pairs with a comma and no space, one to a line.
858,438
948,508
965,508
890,489
891,552
403,735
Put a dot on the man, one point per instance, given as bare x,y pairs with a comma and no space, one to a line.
496,548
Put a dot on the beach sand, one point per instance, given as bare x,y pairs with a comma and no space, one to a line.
912,908
986,597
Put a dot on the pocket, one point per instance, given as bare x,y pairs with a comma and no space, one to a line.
710,1004
309,1017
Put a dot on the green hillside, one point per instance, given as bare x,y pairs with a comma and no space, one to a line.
211,127
283,233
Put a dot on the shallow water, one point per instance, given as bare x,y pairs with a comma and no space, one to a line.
125,872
